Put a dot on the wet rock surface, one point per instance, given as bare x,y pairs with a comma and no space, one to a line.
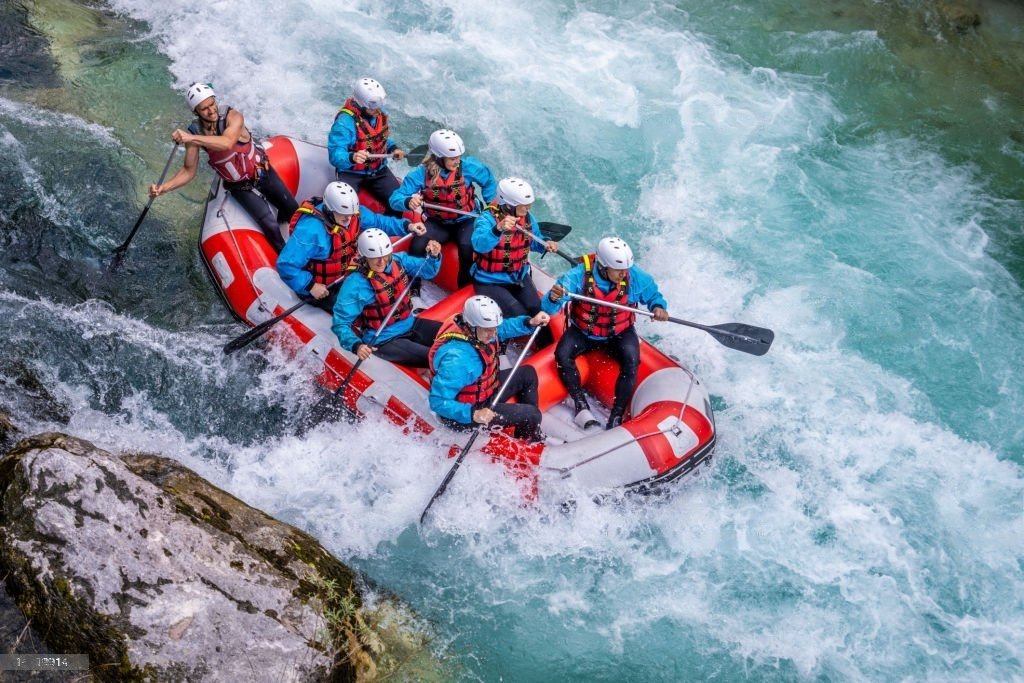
157,574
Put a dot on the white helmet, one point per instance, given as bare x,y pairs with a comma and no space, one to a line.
340,198
613,252
374,243
514,192
446,143
369,93
482,311
196,93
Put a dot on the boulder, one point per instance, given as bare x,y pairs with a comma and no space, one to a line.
8,430
960,15
156,574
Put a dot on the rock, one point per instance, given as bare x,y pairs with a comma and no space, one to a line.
8,431
158,575
25,393
960,15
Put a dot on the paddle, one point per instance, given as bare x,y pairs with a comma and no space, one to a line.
326,405
469,444
554,231
746,338
119,253
413,157
255,333
571,259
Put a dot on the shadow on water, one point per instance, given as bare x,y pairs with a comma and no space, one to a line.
25,60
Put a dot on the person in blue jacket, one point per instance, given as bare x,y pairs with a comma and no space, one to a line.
379,281
359,143
464,359
446,178
502,242
609,276
323,242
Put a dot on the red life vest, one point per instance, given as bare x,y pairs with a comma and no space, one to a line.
386,288
479,392
601,321
343,243
241,163
512,252
374,139
454,192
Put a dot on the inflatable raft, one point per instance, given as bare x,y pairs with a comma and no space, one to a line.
669,431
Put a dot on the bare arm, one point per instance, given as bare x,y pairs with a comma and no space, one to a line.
234,131
184,175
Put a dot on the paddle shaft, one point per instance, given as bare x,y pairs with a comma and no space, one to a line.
561,253
471,214
413,156
715,331
119,251
469,444
255,333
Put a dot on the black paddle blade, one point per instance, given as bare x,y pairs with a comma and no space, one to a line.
555,231
415,156
243,340
330,408
115,262
746,338
255,333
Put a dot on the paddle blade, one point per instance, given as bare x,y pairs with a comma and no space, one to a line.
746,338
243,340
330,408
555,231
415,156
115,262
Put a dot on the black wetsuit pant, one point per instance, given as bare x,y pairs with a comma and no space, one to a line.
380,184
516,300
625,348
274,194
513,300
445,231
524,415
411,348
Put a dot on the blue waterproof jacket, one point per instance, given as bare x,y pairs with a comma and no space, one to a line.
357,293
311,242
485,238
342,139
642,289
473,171
458,364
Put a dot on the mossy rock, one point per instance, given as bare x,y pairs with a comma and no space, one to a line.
157,574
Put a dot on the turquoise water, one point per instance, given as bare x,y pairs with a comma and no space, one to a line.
847,174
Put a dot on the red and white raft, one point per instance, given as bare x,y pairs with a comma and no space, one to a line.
670,429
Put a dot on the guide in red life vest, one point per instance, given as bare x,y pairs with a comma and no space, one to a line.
236,157
608,275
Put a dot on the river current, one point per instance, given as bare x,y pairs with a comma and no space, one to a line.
848,174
